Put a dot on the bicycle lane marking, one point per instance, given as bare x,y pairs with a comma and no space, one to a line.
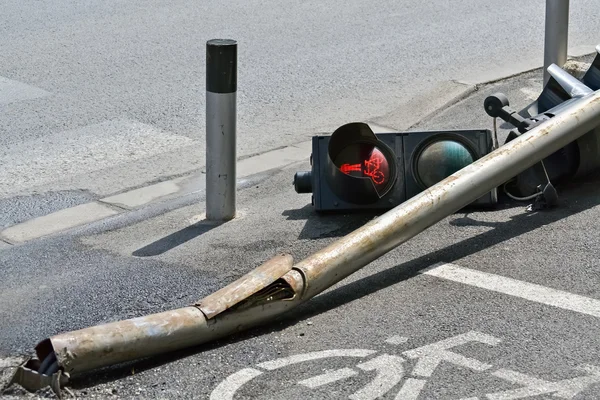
228,387
411,389
431,355
513,287
298,358
390,371
564,389
328,377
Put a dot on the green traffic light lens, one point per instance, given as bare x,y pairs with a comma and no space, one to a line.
440,159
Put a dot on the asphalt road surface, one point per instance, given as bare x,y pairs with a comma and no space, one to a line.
100,96
497,305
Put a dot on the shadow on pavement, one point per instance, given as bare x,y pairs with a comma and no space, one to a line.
319,226
332,225
587,196
175,239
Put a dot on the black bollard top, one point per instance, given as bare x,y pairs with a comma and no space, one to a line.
221,66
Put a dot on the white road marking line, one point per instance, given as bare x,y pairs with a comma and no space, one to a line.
411,389
516,288
57,222
389,373
67,154
298,358
328,377
397,340
12,91
227,388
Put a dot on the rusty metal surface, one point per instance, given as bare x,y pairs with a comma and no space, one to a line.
131,339
234,320
100,346
296,281
116,342
278,290
33,381
246,286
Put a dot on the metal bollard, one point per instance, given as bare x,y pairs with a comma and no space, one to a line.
221,90
556,35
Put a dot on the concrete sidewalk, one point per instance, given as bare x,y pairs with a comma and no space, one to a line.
162,256
31,219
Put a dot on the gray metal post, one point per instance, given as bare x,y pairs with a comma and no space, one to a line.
556,34
221,90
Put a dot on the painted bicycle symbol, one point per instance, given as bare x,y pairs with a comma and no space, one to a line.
392,376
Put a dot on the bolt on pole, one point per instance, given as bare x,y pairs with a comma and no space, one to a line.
556,34
221,91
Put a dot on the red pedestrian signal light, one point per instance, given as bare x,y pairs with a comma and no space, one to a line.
373,165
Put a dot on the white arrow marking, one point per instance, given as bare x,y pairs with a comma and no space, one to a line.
389,372
328,377
226,389
298,358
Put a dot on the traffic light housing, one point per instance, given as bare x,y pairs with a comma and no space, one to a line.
355,169
578,158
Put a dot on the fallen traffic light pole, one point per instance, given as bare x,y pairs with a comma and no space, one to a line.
279,285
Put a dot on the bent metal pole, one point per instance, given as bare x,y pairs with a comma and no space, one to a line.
278,285
221,90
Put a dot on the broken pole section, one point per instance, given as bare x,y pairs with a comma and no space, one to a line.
278,285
